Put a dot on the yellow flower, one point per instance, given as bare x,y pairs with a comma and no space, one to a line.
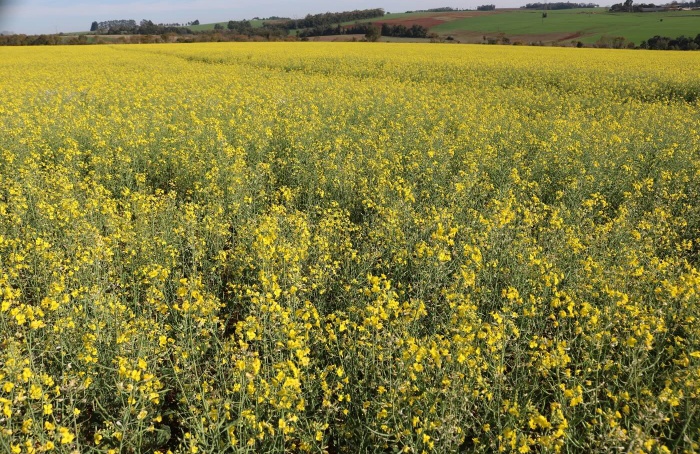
26,374
35,392
66,436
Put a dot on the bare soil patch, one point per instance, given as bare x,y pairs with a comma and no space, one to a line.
466,36
428,20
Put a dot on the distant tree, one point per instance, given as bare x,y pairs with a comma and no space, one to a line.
666,43
628,4
117,26
147,27
218,27
326,19
94,26
486,8
373,33
195,22
45,40
401,31
444,9
558,5
243,27
618,42
657,43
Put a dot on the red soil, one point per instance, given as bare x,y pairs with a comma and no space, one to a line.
429,20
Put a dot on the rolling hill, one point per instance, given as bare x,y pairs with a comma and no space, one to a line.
529,26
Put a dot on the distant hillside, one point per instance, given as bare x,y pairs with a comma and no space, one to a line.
526,25
558,23
255,23
588,25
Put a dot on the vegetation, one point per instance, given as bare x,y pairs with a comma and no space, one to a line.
557,25
243,26
105,26
559,5
562,26
400,30
352,248
130,27
330,19
444,9
371,31
630,7
664,43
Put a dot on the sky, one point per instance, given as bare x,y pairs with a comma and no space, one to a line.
54,16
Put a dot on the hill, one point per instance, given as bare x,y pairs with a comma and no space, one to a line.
255,23
588,25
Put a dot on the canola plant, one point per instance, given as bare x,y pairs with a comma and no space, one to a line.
326,247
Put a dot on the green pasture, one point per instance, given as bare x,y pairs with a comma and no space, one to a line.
591,24
391,16
586,25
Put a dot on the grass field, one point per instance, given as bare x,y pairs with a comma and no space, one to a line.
349,247
583,25
561,26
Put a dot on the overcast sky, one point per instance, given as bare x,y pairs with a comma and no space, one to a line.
51,16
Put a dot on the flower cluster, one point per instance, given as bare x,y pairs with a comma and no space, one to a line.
326,247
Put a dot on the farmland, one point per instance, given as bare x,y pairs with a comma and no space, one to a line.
593,27
588,25
349,247
561,26
256,23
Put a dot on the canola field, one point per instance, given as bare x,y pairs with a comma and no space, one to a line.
308,247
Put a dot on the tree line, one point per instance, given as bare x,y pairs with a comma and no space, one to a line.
369,29
629,7
444,9
558,5
273,28
326,19
40,40
401,31
665,43
130,27
104,26
245,28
